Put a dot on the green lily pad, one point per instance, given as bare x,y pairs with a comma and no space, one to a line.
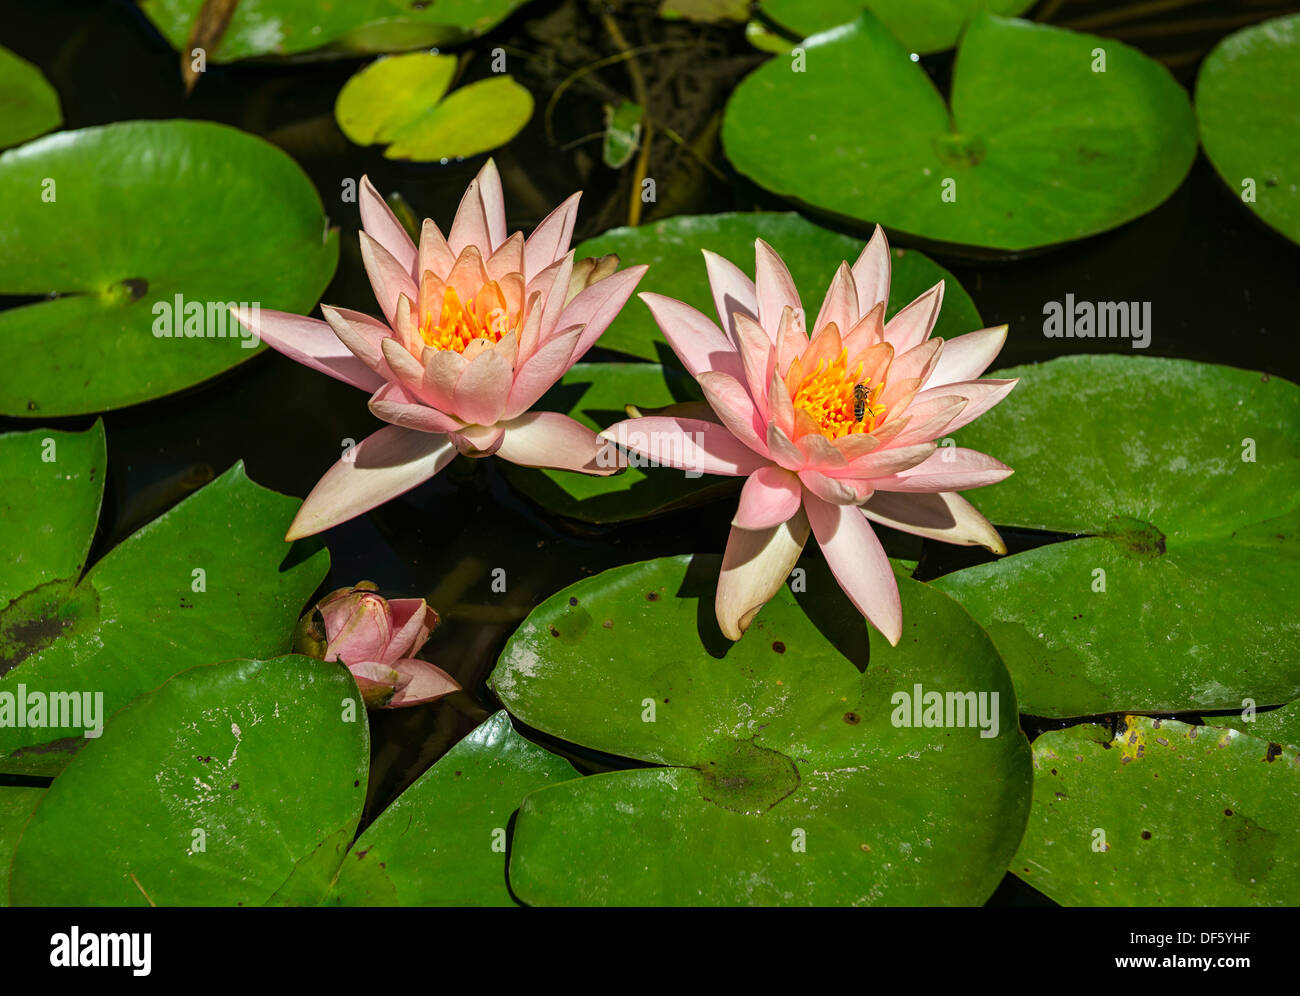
1038,148
401,101
1248,107
207,580
29,106
443,842
672,248
232,784
1279,726
16,805
1182,483
783,778
1164,814
118,221
922,26
289,27
596,395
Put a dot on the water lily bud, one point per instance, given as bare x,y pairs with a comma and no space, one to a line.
587,272
377,639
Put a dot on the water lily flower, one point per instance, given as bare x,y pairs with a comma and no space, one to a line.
833,430
477,327
377,640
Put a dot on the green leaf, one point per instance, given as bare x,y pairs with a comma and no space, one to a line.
1191,816
288,27
672,248
784,778
596,394
622,133
1182,482
119,220
1279,726
442,843
29,106
16,805
401,101
922,26
232,784
209,579
1038,149
1248,107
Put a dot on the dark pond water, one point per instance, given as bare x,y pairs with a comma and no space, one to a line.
1221,287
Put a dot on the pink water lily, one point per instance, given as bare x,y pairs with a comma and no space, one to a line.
478,325
377,639
832,431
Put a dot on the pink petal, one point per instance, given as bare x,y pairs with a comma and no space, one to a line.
687,444
981,395
770,496
540,371
494,203
420,682
550,240
733,292
311,343
859,564
774,286
928,420
470,226
950,468
871,273
731,402
389,279
412,621
381,224
840,307
754,567
406,370
549,439
698,343
967,356
442,371
884,461
397,406
914,323
382,466
436,256
831,490
758,357
595,307
362,335
481,392
478,440
783,450
940,515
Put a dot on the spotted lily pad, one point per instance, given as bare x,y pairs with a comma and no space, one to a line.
921,25
443,842
672,248
401,101
596,394
1163,814
1248,107
1279,726
207,580
781,771
289,27
1051,136
1179,484
141,233
29,106
232,784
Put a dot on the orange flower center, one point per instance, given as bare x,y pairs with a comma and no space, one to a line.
839,400
486,315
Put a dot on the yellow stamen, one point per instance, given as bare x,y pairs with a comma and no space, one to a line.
827,394
486,315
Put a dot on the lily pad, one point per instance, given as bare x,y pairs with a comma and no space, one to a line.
1180,483
1248,107
139,229
206,580
923,26
1279,726
443,842
1039,147
1163,814
596,395
232,784
781,776
29,106
672,248
16,805
289,27
401,101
